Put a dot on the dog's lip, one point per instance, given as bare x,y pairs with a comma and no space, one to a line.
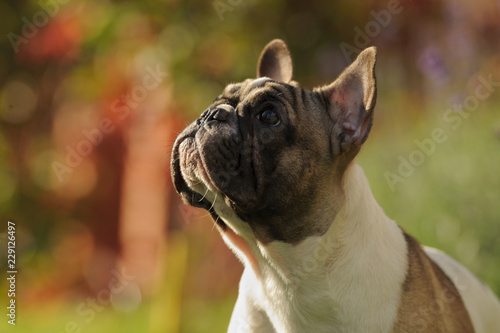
190,196
175,166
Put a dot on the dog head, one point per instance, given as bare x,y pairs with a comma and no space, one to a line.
268,155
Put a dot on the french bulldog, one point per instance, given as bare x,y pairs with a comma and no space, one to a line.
274,164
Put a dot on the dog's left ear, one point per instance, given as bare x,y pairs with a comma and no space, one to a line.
276,62
351,101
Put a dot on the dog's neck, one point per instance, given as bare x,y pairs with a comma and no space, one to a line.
323,279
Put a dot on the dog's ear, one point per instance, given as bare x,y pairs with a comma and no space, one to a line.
351,100
275,62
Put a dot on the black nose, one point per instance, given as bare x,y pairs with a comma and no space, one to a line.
220,113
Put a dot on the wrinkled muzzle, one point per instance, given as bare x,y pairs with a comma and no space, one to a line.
206,158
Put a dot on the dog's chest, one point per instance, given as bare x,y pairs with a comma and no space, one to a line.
316,294
311,308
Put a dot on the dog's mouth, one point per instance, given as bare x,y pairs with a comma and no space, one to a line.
180,183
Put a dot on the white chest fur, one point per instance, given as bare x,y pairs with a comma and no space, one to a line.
347,280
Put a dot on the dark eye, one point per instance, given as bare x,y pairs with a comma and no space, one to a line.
269,117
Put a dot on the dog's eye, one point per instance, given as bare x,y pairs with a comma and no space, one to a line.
269,117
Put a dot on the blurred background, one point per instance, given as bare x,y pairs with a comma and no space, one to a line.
93,94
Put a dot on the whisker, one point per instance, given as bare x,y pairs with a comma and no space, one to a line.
204,195
211,207
213,203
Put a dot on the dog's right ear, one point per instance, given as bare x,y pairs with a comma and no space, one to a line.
351,100
276,62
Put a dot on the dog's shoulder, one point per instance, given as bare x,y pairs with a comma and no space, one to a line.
430,301
481,303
